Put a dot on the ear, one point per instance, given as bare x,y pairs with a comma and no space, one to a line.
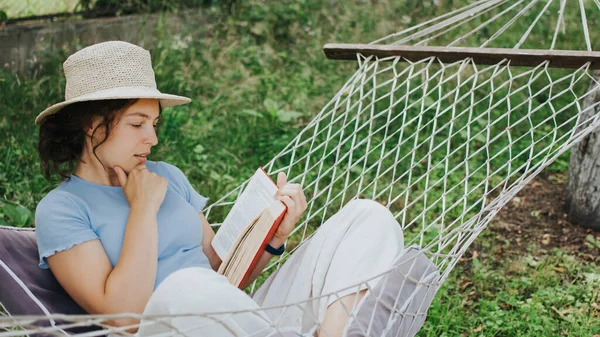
92,125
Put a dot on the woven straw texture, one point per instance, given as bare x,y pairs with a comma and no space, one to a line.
110,70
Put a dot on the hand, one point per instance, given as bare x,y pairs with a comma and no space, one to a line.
293,197
143,189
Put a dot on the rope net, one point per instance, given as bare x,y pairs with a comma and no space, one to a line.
442,146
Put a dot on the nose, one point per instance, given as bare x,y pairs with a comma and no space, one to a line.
152,138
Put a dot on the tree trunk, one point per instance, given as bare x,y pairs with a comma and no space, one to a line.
583,191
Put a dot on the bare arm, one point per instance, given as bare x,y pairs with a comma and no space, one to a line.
86,273
207,236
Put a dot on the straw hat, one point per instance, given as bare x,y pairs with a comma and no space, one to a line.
110,70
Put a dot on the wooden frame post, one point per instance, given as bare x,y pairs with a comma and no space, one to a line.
517,57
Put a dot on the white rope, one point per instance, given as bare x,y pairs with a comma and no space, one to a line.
526,34
410,29
448,22
559,21
509,23
30,295
487,22
584,24
443,145
470,18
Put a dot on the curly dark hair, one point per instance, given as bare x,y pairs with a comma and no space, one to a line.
62,135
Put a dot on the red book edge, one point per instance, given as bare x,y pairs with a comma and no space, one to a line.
263,245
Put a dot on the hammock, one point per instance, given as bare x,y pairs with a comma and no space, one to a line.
443,145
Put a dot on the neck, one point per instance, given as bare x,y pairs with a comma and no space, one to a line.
89,168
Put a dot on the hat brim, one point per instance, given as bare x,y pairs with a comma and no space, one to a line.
166,100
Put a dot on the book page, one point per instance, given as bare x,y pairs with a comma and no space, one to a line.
257,196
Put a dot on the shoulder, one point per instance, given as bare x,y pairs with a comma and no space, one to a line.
61,222
59,200
58,209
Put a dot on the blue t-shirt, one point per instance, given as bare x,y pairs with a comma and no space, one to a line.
78,211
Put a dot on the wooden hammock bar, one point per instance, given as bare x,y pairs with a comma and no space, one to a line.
517,57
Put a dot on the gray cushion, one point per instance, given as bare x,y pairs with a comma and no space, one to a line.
402,296
18,251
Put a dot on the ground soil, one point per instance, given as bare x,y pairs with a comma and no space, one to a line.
537,215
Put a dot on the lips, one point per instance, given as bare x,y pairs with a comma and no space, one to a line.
142,157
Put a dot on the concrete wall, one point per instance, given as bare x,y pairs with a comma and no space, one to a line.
19,43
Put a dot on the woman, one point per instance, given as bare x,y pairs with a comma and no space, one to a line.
139,223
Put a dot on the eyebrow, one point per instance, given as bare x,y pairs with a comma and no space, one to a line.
141,114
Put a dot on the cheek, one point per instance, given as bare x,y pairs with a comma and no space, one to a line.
117,154
117,148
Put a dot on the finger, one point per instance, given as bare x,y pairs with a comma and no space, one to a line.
299,209
288,202
281,179
295,189
285,190
140,167
304,201
292,195
297,196
121,175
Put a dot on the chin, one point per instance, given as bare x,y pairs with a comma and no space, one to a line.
126,166
131,164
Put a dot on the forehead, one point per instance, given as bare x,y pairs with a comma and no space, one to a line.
146,108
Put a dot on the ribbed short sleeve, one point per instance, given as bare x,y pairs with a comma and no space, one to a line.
60,223
181,181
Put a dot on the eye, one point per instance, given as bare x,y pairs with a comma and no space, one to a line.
136,125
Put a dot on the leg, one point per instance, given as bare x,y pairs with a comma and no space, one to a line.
337,314
349,249
201,291
398,304
376,235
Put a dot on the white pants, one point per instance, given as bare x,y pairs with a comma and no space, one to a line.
355,245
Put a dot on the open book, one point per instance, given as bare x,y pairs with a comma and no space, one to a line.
248,228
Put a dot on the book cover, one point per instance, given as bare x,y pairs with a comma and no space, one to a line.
262,247
243,253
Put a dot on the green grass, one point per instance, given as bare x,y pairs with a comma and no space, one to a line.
18,9
256,79
534,295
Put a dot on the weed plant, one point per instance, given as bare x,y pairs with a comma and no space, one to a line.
257,77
